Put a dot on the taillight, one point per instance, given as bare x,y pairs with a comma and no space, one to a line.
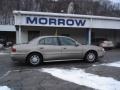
13,49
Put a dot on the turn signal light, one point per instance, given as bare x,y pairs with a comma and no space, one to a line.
13,49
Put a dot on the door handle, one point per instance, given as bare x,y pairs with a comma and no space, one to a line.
64,48
41,48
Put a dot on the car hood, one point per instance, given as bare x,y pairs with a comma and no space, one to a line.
93,47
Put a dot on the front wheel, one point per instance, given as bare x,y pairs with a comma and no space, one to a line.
91,56
34,59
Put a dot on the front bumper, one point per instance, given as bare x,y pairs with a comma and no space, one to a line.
107,46
101,53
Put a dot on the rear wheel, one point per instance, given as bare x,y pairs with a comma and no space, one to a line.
34,59
91,56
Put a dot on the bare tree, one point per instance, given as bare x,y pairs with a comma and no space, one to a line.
87,7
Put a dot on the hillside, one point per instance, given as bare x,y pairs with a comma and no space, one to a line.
88,7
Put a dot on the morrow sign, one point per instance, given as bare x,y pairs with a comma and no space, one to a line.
55,21
28,20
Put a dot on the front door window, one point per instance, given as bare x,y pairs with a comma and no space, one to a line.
67,41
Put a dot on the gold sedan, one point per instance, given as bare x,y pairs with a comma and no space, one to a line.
55,48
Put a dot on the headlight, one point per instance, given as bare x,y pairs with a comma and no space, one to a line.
103,49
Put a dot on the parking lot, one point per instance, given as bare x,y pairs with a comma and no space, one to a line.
72,75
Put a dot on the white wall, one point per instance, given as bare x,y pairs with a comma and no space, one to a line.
10,28
81,35
24,36
91,21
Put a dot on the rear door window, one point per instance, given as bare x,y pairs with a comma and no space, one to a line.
49,41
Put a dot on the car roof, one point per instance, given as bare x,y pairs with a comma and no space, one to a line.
40,37
53,36
50,36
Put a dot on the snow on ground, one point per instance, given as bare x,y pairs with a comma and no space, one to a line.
3,53
4,88
80,77
114,64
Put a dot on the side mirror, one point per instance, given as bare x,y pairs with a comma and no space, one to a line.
77,44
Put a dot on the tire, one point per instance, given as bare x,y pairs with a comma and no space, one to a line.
91,56
34,59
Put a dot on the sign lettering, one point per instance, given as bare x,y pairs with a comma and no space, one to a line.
55,21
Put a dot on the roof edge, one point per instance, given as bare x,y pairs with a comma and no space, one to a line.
15,12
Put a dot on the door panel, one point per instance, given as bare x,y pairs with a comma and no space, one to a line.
71,52
52,52
70,49
50,48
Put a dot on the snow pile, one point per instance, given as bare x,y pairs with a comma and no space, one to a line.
4,88
80,77
114,64
3,53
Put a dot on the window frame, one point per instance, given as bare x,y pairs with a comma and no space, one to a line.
57,42
66,38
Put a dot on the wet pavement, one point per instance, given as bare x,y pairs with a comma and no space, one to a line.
19,76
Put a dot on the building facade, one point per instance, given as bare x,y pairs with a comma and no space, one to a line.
83,28
8,33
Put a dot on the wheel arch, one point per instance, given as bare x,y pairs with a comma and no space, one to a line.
34,53
91,51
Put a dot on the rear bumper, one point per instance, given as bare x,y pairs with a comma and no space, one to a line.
18,57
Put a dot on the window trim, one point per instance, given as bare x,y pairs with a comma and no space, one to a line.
40,40
67,38
58,43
